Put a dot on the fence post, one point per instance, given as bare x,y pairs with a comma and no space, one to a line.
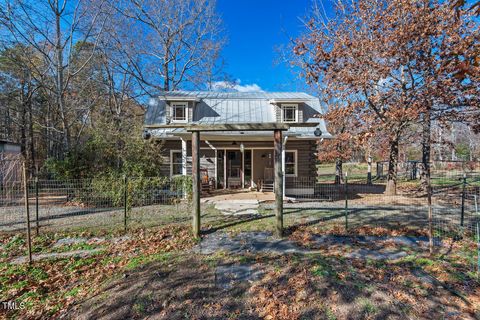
27,212
464,184
369,173
125,201
37,223
478,249
346,201
430,212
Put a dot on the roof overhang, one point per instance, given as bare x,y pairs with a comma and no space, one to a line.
288,100
180,98
234,126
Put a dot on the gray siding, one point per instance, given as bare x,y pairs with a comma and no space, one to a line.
306,160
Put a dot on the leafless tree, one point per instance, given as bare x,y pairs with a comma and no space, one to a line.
53,29
168,44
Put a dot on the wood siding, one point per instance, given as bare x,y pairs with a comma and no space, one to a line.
306,160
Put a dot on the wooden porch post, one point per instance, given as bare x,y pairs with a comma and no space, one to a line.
196,183
278,185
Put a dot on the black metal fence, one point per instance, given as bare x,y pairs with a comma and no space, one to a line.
89,203
455,202
124,203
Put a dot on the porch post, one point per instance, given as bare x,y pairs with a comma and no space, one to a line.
278,183
184,157
224,168
196,183
283,163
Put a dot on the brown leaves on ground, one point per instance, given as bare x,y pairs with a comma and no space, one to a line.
53,285
304,234
281,298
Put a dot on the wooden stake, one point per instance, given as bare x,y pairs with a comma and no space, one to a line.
196,183
27,213
125,202
430,212
278,186
346,201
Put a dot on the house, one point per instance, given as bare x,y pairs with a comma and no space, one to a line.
237,159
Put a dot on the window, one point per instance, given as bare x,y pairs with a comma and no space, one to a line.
179,112
176,163
289,113
291,163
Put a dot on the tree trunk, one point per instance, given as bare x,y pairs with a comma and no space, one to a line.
391,189
338,171
60,81
31,141
166,79
426,148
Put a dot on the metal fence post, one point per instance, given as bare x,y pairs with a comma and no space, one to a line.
125,201
464,184
369,172
346,201
27,213
37,223
478,249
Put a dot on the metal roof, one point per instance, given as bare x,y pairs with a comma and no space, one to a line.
237,95
235,107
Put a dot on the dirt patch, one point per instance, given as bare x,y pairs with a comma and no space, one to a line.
186,289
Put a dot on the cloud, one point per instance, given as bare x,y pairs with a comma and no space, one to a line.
235,86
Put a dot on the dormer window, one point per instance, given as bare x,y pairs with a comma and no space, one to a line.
289,112
179,112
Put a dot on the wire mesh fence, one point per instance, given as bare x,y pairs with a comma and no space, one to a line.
361,208
89,204
352,208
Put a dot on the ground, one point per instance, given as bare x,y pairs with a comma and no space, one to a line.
240,271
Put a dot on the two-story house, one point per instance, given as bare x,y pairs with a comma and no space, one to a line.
237,159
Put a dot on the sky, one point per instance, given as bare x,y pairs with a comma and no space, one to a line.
255,30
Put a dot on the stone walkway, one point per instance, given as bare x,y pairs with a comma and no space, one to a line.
72,253
237,207
55,255
229,276
369,247
253,242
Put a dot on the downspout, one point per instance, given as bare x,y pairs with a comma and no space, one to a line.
283,163
216,159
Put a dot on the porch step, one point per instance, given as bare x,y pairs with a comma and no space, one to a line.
267,186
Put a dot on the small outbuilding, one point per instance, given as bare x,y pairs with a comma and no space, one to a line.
10,162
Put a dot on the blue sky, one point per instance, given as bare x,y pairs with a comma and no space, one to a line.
254,29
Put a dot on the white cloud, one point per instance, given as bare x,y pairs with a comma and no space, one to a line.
235,86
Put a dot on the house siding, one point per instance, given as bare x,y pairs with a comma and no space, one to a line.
306,159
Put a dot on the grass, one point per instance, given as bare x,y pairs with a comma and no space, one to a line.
322,273
144,259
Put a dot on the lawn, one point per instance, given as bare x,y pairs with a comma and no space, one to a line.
160,272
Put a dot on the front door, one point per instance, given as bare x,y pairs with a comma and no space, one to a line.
234,169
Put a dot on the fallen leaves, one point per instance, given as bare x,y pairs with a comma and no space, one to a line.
66,281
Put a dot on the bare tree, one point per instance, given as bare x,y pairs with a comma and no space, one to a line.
168,43
52,28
